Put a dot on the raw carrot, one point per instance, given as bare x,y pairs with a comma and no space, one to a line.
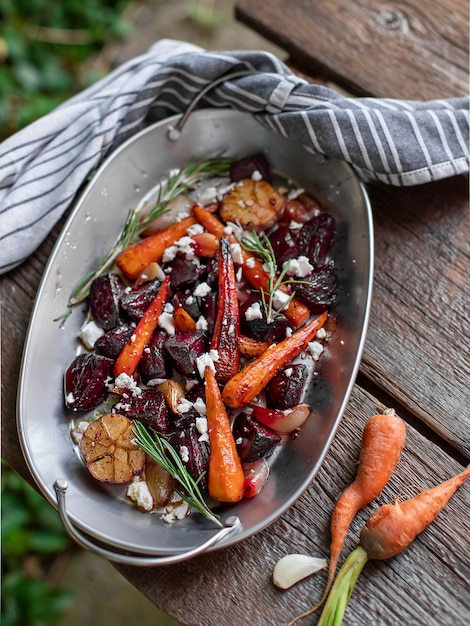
296,312
253,378
226,476
387,533
136,258
383,440
130,355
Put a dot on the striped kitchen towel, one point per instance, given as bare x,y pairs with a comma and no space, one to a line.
43,166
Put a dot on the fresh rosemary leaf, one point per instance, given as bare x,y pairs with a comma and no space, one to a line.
161,451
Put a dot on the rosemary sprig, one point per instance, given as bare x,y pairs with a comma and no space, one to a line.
252,242
161,451
177,183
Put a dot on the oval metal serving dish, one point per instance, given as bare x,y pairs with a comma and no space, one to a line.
102,511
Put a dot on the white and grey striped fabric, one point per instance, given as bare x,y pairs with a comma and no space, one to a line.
43,166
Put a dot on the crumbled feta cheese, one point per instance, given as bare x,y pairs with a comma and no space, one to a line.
239,274
295,193
78,430
155,381
184,454
195,229
90,333
256,175
70,399
288,372
254,312
236,251
201,426
200,407
201,323
208,195
139,493
315,349
231,228
175,511
124,381
168,308
170,254
206,360
202,290
165,321
293,225
299,267
321,333
184,405
250,262
288,331
280,299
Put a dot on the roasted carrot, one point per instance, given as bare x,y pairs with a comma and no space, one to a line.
388,532
296,312
182,320
383,440
226,476
130,355
136,258
227,322
251,380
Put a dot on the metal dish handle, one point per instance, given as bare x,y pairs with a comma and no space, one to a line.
232,523
174,132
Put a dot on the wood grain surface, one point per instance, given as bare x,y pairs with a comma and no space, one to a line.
424,586
400,49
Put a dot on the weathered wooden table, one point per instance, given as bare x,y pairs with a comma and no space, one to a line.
416,357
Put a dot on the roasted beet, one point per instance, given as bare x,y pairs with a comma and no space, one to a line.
152,364
183,350
244,168
105,296
149,408
193,453
253,440
111,343
209,306
284,244
189,303
136,301
184,273
319,290
259,328
85,381
286,389
316,238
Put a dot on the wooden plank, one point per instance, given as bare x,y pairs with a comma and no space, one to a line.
417,342
413,50
236,582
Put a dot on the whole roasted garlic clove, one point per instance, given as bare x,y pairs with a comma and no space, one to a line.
295,567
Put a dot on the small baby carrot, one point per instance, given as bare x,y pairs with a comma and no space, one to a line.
226,476
388,532
130,355
136,258
252,379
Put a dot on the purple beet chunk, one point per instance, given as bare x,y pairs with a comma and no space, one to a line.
189,303
112,343
85,381
286,389
105,295
149,408
315,239
259,328
319,289
184,273
285,245
244,168
254,441
152,364
183,350
186,443
136,301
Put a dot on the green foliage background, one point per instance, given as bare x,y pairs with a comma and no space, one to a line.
44,48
